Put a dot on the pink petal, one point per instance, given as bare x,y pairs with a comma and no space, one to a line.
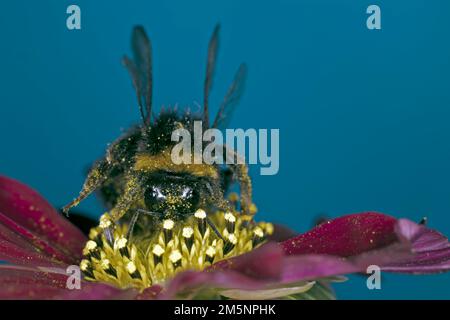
16,249
22,283
431,250
31,211
345,236
24,245
282,233
264,262
408,247
253,270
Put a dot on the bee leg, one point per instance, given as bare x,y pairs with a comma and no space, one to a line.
134,220
245,185
109,235
132,194
132,224
98,174
213,226
240,171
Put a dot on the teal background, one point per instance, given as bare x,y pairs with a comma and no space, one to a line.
363,115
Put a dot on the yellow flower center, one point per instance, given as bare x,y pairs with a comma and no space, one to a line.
180,245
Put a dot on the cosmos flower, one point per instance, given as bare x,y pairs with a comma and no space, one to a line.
252,261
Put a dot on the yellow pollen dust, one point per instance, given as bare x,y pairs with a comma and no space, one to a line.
154,257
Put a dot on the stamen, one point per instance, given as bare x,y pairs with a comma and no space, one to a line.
95,236
86,267
258,236
210,254
188,232
175,258
168,225
253,209
230,222
132,270
105,222
121,245
106,265
158,251
152,258
229,244
90,250
201,217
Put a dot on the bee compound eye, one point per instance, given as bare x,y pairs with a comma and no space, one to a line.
187,193
153,196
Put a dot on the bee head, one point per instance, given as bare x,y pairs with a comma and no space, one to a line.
172,195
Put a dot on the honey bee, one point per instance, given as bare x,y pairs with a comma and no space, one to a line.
137,180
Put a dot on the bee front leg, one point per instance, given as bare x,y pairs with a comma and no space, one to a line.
96,177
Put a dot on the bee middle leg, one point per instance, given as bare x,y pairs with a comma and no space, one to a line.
135,217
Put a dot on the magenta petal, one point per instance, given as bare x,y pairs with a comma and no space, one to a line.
28,245
345,236
192,281
416,250
311,266
253,270
150,293
21,283
430,248
264,262
28,209
20,255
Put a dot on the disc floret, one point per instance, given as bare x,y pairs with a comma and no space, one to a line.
179,245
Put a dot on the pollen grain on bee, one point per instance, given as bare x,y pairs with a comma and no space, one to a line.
210,147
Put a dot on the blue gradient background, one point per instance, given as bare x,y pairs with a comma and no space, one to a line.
363,115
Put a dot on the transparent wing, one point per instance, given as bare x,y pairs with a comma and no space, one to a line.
140,69
231,99
210,66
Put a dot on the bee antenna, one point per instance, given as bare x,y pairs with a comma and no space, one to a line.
210,66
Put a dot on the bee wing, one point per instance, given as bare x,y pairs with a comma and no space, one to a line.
231,99
140,69
213,48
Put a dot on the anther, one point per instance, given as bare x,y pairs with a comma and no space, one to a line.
121,245
175,258
109,269
168,225
86,267
201,216
258,236
268,228
229,244
230,222
105,222
91,250
210,254
188,233
132,270
158,251
253,209
95,236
